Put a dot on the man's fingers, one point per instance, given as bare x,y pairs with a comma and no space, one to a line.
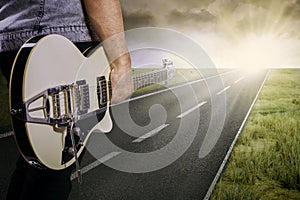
122,86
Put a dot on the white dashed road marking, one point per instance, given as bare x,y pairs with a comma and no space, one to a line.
5,135
191,110
239,80
224,90
151,133
96,163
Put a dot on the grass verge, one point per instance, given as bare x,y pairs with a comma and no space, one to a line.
265,163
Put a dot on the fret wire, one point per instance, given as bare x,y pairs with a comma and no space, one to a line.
144,79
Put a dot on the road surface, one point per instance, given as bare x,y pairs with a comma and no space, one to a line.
167,145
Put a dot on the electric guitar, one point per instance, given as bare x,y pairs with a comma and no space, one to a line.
59,95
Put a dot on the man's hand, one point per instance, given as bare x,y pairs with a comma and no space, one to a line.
121,80
120,66
107,22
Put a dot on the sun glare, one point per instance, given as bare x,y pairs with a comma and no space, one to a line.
259,52
253,35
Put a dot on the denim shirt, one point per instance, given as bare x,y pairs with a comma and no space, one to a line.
23,19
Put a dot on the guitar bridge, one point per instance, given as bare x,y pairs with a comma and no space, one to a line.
55,106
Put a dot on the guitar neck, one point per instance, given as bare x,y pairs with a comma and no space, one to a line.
149,78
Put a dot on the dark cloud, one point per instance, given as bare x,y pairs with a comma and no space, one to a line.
184,16
190,17
138,19
292,10
226,16
160,6
221,25
190,4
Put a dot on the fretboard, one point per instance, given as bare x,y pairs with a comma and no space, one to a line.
149,78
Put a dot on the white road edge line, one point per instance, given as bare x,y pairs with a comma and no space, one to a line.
5,135
191,110
239,80
212,186
151,133
96,163
223,90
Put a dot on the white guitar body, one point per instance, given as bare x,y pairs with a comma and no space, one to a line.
59,96
49,62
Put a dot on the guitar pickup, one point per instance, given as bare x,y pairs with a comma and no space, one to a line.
82,97
102,91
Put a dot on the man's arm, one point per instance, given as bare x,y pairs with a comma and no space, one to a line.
106,19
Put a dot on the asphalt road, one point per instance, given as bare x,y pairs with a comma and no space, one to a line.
168,145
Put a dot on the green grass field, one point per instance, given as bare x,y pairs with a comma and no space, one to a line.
265,163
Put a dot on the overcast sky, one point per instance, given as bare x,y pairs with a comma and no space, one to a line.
223,23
